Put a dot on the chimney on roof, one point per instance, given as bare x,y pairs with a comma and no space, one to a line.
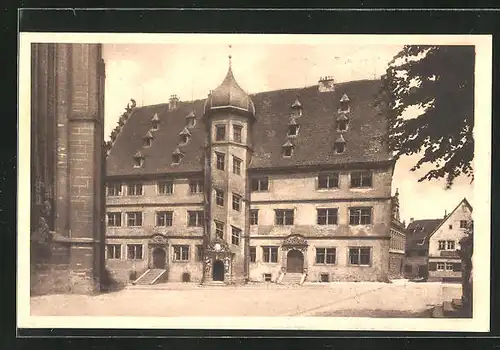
173,102
326,84
411,220
445,213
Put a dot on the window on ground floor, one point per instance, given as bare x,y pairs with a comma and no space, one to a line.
270,254
134,251
113,251
360,256
325,256
181,253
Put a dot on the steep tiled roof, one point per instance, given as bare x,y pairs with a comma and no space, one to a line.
417,232
314,144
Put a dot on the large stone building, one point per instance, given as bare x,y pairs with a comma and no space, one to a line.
239,187
67,168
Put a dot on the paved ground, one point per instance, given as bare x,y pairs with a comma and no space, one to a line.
362,299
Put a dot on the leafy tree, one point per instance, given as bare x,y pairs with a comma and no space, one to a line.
439,80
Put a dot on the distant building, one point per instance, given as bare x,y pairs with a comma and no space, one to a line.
432,245
397,241
260,187
444,243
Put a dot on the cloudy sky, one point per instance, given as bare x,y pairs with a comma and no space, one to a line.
150,73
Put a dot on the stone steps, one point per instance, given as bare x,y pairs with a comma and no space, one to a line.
291,278
149,277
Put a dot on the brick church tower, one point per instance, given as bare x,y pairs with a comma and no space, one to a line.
67,203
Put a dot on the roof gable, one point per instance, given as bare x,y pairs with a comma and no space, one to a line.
464,202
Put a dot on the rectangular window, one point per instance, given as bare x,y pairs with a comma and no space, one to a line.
359,256
284,216
236,165
236,202
199,253
237,133
254,217
327,216
326,181
113,251
134,218
360,216
134,189
287,151
220,132
270,254
221,161
114,219
195,218
463,223
361,179
195,186
325,256
260,184
164,218
448,266
235,235
253,254
450,245
442,245
219,229
181,253
219,198
134,251
166,187
440,266
114,189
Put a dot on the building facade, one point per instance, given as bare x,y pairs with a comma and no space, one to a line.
444,244
397,241
240,187
67,168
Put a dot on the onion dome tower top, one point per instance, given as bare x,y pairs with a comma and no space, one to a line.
229,96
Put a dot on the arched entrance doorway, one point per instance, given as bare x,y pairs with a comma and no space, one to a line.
295,261
218,271
159,260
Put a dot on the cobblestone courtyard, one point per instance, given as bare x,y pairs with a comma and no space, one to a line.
335,299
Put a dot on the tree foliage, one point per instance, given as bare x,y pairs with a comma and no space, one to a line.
439,80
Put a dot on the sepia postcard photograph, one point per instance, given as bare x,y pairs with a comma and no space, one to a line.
244,181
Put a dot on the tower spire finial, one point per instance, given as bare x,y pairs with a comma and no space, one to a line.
230,55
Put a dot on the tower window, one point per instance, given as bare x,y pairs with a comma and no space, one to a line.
219,197
236,165
237,133
220,133
293,130
236,202
219,229
235,235
221,160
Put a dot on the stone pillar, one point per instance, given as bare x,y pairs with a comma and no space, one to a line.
73,92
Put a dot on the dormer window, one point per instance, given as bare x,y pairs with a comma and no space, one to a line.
339,145
287,149
177,156
155,121
148,139
138,160
296,109
220,133
293,129
342,123
190,120
184,134
345,103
